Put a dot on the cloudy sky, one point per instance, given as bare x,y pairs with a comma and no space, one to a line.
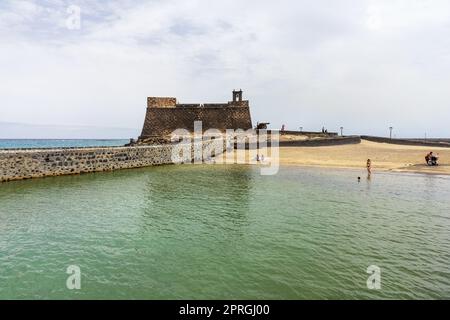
364,65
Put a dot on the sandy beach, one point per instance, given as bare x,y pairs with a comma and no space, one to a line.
384,156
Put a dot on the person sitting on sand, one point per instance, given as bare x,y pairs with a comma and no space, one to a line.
369,166
431,159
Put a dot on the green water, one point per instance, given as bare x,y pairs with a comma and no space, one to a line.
225,232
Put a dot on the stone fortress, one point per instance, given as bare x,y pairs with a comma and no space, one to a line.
165,115
153,147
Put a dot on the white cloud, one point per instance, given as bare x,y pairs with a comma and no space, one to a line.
361,64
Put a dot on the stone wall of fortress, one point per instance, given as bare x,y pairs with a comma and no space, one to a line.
34,163
163,121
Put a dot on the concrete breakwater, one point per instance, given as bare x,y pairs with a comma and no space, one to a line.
411,142
35,163
322,142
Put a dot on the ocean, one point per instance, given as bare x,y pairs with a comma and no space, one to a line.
58,143
226,232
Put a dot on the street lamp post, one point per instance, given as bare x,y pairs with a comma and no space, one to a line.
390,132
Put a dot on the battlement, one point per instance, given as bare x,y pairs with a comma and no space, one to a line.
164,115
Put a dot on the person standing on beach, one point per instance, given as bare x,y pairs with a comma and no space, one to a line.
369,166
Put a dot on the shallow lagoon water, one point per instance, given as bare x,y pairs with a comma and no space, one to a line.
226,232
